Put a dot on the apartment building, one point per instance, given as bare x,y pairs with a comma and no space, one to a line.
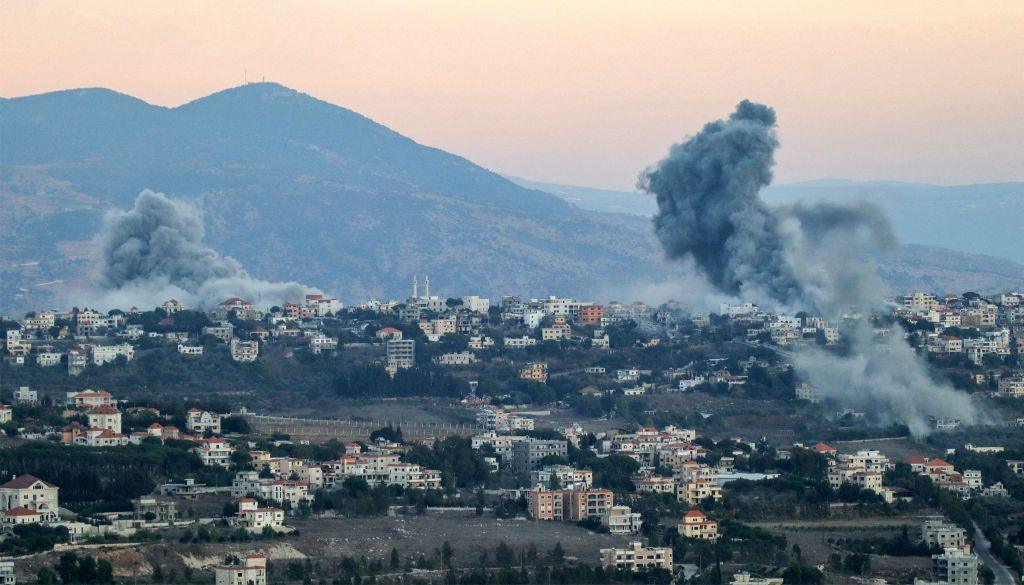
621,520
251,570
534,371
526,455
637,556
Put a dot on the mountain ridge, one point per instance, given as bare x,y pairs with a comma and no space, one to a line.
295,188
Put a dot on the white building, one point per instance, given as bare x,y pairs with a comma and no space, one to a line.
244,351
252,570
30,492
103,354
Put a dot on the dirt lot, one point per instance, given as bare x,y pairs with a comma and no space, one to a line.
468,534
812,538
894,449
326,538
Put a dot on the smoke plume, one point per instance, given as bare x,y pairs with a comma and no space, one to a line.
155,251
806,256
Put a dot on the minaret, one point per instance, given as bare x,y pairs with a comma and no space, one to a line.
415,288
426,286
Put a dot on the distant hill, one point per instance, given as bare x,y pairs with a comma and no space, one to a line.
294,188
299,189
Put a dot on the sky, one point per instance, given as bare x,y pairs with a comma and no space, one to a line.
585,93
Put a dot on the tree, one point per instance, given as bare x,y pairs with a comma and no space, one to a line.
447,553
67,567
504,555
557,554
394,561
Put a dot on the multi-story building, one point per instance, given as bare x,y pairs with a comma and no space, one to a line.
401,354
637,556
104,417
252,570
1012,386
546,504
695,524
584,504
254,519
104,354
201,421
955,566
937,533
621,520
27,491
534,371
566,476
244,351
528,453
214,451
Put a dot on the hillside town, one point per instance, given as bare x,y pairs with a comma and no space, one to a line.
558,423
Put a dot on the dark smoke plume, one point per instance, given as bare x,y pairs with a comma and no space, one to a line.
798,257
155,251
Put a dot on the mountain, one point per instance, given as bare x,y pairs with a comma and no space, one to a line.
299,189
981,219
294,188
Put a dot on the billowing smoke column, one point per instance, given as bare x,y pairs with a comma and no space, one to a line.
155,251
803,256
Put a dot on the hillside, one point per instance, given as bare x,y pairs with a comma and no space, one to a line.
299,189
294,188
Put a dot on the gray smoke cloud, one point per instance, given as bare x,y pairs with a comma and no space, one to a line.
155,251
805,256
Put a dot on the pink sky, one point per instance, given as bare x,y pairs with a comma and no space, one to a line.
579,92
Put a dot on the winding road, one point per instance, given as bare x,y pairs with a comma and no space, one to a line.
984,549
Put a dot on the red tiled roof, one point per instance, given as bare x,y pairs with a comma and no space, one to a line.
103,410
21,512
23,481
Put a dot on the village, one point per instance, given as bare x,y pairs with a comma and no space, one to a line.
669,496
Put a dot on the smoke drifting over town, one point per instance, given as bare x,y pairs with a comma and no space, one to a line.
155,251
797,257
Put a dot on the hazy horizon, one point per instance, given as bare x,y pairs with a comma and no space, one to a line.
582,94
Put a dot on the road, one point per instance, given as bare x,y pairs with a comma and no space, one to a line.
983,547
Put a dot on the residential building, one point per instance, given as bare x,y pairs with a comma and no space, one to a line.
534,371
104,354
27,491
621,520
254,519
695,524
937,533
25,395
545,504
526,455
7,576
584,504
202,422
214,451
251,570
637,556
5,414
244,351
194,350
401,354
104,417
955,566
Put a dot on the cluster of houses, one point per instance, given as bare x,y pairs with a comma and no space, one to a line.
866,469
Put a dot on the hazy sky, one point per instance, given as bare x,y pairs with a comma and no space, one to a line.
579,92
